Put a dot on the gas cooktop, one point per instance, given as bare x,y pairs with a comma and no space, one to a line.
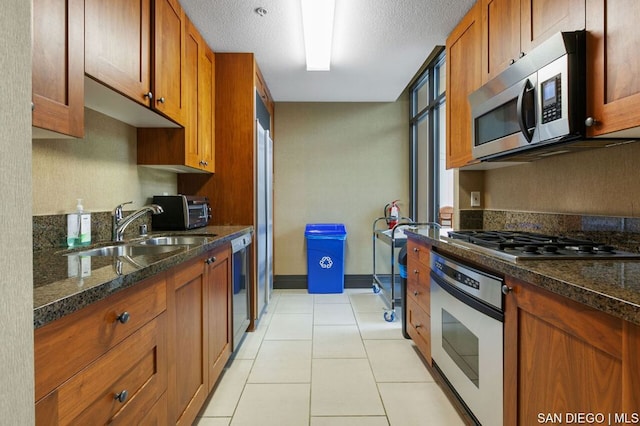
517,246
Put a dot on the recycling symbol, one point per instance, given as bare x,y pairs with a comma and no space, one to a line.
326,262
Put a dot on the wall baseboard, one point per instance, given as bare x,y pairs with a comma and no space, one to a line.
300,281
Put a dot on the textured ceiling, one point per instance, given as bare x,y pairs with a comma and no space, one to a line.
378,45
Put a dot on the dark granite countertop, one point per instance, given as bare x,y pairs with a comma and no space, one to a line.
64,284
611,286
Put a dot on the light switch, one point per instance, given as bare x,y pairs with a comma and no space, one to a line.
475,198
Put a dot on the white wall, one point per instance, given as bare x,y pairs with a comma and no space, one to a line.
337,163
16,276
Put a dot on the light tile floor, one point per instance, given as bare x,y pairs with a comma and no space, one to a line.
327,360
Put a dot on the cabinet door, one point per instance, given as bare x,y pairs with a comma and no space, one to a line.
192,52
543,18
219,325
58,66
169,39
560,356
613,89
118,45
464,75
187,389
199,93
501,36
206,109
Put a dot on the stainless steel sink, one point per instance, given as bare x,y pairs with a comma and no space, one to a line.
130,250
176,240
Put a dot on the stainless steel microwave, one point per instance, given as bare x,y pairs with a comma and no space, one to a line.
538,102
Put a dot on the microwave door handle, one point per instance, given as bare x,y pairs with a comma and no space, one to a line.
521,111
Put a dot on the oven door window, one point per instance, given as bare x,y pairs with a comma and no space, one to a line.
461,345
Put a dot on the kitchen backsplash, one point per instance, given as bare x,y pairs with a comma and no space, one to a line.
50,231
620,232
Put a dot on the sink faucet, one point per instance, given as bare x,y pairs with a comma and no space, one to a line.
120,223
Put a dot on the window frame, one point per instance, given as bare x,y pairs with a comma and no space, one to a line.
436,105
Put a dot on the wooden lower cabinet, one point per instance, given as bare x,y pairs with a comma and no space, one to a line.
148,355
565,357
219,305
98,366
199,312
419,296
187,351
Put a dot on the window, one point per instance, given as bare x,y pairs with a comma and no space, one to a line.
431,183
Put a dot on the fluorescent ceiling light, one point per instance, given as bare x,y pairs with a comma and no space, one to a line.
317,24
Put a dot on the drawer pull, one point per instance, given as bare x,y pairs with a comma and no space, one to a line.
416,249
417,325
415,271
122,396
415,293
210,260
124,317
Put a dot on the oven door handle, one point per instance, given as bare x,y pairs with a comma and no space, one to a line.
525,95
467,299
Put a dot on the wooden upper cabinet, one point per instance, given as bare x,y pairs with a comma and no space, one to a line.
169,38
613,91
501,36
200,95
543,18
463,77
132,44
118,46
58,66
192,148
511,28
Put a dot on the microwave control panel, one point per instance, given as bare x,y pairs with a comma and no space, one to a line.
551,91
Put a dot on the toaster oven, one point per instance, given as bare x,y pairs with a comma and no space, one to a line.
181,212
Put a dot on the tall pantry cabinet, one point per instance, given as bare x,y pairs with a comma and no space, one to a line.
236,191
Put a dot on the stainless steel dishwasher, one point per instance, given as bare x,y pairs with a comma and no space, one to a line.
241,277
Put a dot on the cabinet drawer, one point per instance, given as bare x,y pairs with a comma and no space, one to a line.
65,346
418,286
418,252
135,369
419,328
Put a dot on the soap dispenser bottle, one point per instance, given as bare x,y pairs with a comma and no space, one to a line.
79,227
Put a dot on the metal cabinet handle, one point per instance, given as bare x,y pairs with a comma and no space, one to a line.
122,396
506,289
415,293
124,317
590,121
522,54
416,272
512,61
161,100
417,326
148,95
210,260
416,249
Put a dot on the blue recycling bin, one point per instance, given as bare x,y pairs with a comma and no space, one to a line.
325,257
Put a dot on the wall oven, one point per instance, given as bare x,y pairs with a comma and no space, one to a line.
538,102
467,318
241,279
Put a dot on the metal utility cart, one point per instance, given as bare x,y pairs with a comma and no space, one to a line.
385,284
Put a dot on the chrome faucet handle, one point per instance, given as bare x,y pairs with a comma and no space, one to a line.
117,212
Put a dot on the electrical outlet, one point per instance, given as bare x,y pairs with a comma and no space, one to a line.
475,198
